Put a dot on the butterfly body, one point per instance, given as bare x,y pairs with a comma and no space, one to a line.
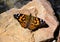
30,22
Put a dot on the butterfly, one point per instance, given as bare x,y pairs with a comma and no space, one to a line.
30,22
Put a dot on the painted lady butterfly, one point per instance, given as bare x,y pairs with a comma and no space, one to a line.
30,22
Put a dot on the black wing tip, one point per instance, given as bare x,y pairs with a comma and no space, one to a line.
16,16
45,25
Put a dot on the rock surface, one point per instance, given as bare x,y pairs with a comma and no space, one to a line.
11,30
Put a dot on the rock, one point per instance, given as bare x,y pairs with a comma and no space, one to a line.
11,30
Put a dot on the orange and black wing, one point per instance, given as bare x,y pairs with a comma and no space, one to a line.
36,23
23,19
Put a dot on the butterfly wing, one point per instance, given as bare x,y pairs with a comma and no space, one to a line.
23,19
36,23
